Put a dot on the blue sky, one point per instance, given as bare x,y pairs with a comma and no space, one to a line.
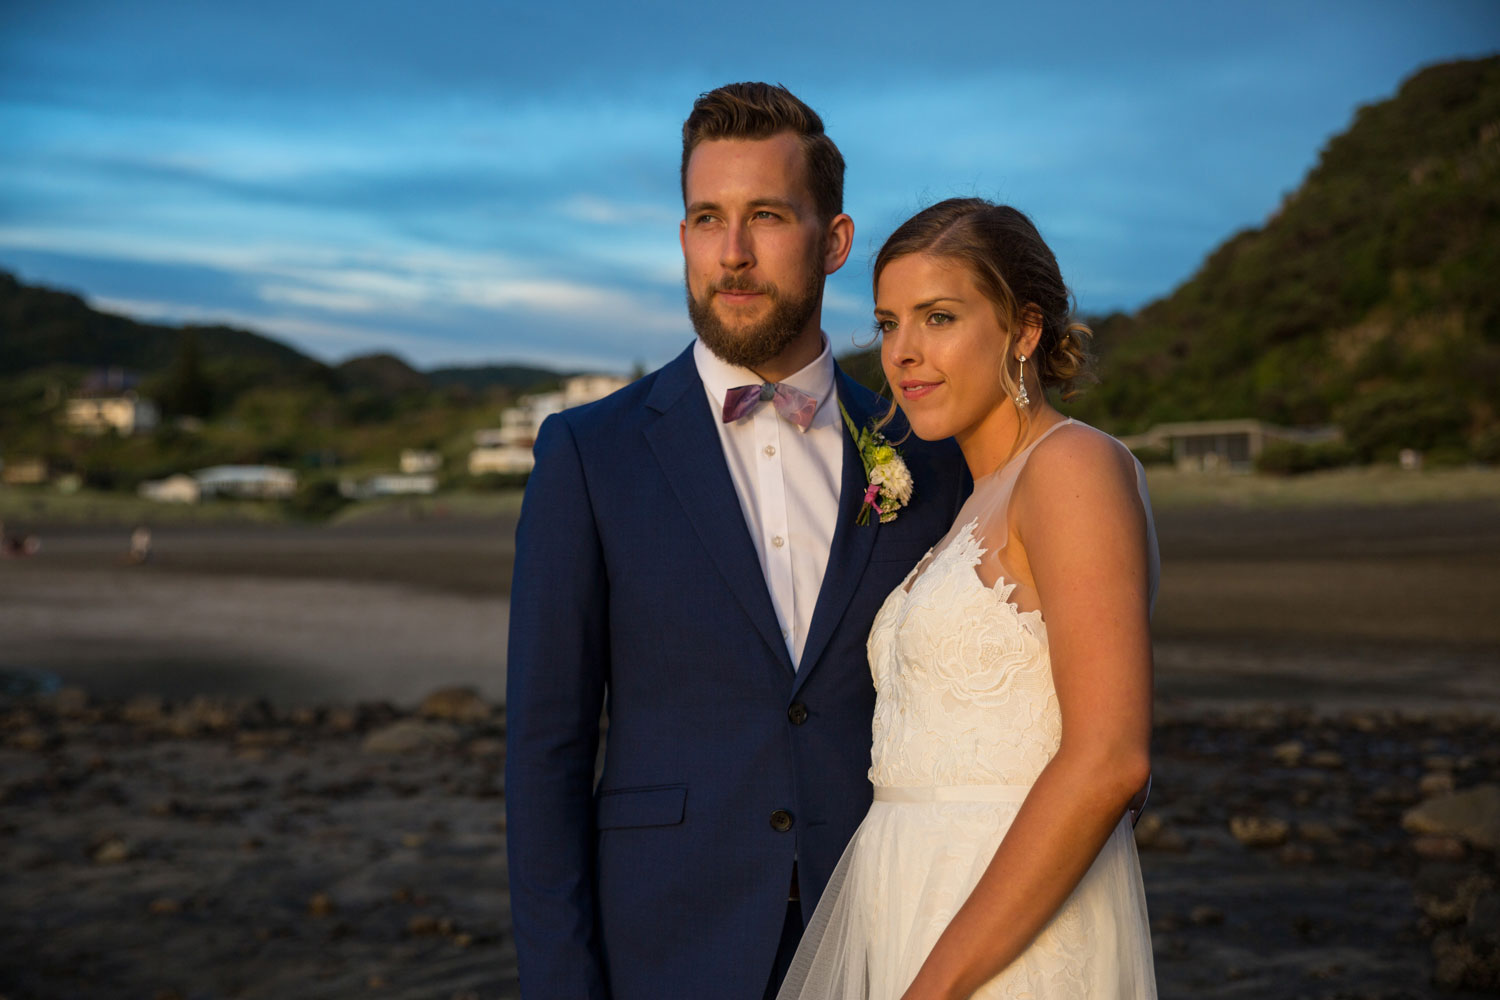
474,182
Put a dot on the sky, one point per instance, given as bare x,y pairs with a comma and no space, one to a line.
471,183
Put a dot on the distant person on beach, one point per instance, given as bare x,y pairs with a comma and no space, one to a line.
702,554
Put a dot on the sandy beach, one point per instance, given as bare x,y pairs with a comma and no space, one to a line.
241,794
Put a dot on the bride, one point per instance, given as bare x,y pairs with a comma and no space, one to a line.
1012,666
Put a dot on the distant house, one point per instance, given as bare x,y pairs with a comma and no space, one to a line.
24,471
1228,445
388,485
125,413
417,461
507,448
247,482
173,489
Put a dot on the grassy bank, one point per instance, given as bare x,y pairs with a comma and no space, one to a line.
1374,485
23,506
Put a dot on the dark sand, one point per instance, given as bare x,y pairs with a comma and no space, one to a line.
225,848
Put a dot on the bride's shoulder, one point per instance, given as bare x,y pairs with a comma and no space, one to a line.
1079,464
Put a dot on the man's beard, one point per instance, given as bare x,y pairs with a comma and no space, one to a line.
753,345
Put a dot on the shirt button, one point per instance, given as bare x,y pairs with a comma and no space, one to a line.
778,541
770,450
781,821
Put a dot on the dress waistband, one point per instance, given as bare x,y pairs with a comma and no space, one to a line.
951,793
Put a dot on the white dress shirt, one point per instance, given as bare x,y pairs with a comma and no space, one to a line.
788,483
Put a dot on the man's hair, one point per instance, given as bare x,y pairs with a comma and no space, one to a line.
759,111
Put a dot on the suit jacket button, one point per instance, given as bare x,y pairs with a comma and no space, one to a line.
797,713
781,821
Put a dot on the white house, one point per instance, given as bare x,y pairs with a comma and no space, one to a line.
173,489
419,461
247,482
123,413
1208,445
507,448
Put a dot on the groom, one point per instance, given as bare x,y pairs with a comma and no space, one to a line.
688,559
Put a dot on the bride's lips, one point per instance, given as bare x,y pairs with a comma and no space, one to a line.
916,389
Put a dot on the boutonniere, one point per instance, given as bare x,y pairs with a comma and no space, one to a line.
885,471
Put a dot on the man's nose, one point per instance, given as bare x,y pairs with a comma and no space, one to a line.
737,253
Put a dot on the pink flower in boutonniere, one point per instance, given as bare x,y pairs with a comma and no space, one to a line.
890,485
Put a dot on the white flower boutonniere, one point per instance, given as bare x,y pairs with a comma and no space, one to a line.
889,479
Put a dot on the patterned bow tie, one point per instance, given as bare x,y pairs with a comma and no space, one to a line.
793,404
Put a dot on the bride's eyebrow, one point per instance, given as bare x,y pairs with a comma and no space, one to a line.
941,298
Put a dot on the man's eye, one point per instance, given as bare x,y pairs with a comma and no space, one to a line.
703,220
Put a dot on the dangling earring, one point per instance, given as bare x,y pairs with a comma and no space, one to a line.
1022,399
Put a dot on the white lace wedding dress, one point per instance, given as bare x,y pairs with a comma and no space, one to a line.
966,717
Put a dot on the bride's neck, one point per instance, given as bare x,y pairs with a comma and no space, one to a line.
1005,434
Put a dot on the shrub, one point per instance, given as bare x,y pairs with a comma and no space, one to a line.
1291,458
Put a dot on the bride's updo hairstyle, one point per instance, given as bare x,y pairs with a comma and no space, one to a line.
1015,270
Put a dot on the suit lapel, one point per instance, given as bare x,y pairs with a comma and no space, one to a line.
687,447
852,543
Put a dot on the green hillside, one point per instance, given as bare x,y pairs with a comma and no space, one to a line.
1370,299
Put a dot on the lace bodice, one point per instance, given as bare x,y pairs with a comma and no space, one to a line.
963,677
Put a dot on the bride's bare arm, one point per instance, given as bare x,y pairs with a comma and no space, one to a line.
1080,525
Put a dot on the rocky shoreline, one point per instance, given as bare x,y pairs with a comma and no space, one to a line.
208,848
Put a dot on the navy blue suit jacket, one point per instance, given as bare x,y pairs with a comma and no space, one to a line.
637,590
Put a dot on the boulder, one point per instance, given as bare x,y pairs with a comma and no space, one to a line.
409,735
455,704
1472,814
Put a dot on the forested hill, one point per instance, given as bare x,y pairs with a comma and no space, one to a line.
42,327
1370,299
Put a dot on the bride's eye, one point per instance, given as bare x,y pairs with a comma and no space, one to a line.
939,318
883,326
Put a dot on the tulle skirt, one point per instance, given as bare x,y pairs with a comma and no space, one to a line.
913,862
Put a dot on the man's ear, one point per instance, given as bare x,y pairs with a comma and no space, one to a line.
838,240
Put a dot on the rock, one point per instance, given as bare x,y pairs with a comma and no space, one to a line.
342,720
455,704
1329,759
1459,965
111,852
1438,762
164,907
1317,833
1436,783
70,702
1288,754
321,905
34,738
1296,854
1438,848
142,710
1446,899
1206,916
1473,814
1484,920
1259,831
423,924
376,982
1153,833
409,735
486,747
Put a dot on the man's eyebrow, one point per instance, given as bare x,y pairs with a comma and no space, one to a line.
713,206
